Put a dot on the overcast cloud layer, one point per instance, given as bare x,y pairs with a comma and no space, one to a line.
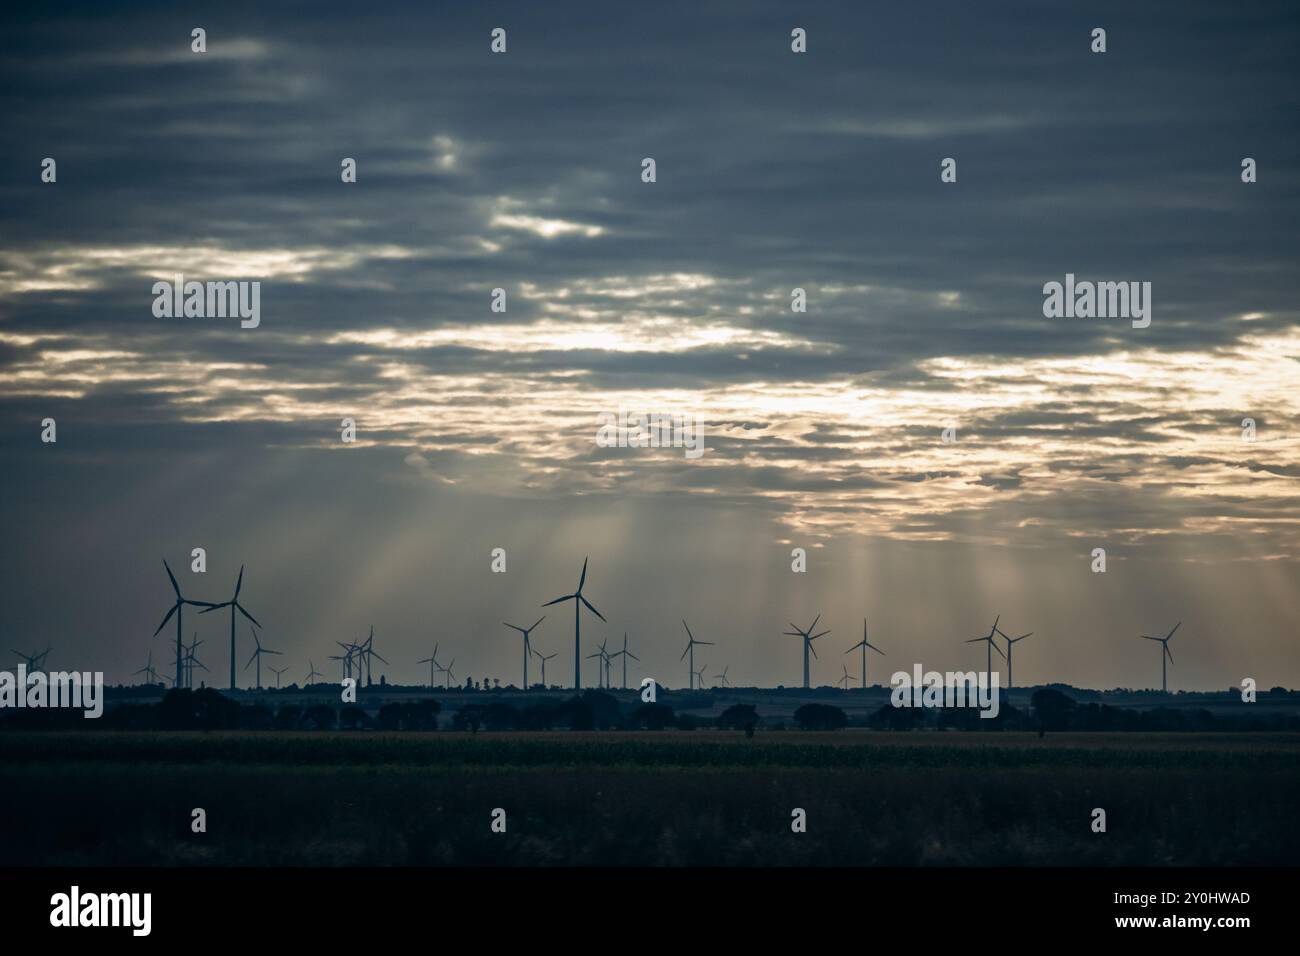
476,429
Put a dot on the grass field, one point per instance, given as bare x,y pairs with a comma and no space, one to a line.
648,798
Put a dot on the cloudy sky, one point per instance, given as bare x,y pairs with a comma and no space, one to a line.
476,430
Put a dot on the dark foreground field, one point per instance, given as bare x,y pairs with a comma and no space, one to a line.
700,798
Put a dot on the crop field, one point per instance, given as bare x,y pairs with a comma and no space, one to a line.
669,798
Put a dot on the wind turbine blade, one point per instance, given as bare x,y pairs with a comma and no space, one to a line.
175,587
1176,627
250,661
813,649
245,613
240,582
998,649
1170,653
215,607
689,635
975,640
567,597
813,626
995,621
538,621
815,636
160,626
631,655
856,646
1146,638
583,579
591,608
688,647
877,650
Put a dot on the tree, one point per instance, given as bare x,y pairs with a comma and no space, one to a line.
1052,708
652,716
469,717
820,717
320,716
353,718
739,717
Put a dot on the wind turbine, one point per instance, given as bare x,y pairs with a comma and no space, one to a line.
35,661
690,649
351,649
148,670
234,606
447,670
1010,641
194,662
625,654
864,644
577,599
700,674
277,671
191,659
808,637
1164,683
177,609
345,663
313,673
257,656
992,646
544,658
528,647
723,676
844,681
601,664
365,651
432,661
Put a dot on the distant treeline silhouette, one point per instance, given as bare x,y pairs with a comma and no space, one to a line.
1050,710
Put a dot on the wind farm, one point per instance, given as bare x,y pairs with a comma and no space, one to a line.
702,731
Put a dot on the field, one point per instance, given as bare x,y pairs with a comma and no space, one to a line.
671,798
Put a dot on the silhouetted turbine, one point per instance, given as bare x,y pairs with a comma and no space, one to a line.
432,661
1010,641
808,637
1164,641
863,644
528,647
177,610
148,670
601,664
234,606
625,654
690,649
988,672
257,656
543,658
844,681
577,599
34,661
